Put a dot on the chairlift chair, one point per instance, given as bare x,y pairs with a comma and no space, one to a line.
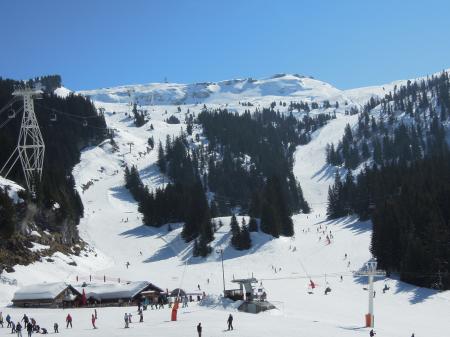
85,123
53,117
12,113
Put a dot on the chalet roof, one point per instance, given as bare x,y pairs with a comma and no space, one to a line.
105,291
42,291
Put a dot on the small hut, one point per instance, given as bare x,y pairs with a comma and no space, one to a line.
47,295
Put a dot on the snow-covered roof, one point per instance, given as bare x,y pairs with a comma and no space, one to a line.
42,291
105,291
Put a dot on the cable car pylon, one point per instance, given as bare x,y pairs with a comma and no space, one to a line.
30,145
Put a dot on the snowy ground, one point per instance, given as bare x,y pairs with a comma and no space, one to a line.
112,227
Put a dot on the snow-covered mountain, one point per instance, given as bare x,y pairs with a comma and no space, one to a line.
282,85
113,230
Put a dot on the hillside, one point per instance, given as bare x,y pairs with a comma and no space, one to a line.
113,231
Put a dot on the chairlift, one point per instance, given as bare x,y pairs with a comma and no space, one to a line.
85,123
12,113
53,117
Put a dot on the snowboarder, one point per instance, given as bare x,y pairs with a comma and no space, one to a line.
230,322
55,328
19,329
68,321
125,318
372,333
93,321
199,329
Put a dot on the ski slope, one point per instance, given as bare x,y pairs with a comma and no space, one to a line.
113,230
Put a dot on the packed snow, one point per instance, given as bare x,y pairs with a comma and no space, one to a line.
12,188
113,229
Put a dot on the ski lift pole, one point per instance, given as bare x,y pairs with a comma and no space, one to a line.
370,271
223,271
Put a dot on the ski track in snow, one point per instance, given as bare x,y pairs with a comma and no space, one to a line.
166,260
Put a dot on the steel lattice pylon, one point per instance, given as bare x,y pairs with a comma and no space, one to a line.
30,145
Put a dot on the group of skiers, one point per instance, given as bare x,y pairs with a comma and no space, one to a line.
25,324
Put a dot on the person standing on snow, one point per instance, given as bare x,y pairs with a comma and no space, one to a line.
8,320
93,321
55,327
18,329
68,321
125,318
199,329
230,322
1,319
29,329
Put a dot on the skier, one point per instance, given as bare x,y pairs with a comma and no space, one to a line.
230,322
93,321
141,317
372,333
55,327
95,313
1,319
68,321
386,288
8,320
13,327
129,317
25,319
29,329
199,329
125,318
185,302
19,329
327,290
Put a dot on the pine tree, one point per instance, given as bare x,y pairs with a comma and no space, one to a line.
235,232
253,225
246,241
161,159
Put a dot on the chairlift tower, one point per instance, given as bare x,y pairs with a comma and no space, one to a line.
30,145
370,271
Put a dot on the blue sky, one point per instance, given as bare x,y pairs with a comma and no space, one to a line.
106,43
